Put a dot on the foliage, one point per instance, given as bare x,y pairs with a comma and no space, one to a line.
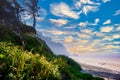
7,15
6,35
20,64
34,60
71,62
32,9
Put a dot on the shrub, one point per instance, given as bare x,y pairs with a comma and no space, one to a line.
20,64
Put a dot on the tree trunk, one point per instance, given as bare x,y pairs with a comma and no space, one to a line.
34,22
18,28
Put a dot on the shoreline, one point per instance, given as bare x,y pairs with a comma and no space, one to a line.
107,74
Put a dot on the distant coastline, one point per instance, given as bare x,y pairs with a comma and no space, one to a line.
100,72
106,66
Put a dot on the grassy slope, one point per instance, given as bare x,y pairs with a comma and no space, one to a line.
35,60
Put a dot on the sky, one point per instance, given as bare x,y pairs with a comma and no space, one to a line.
82,26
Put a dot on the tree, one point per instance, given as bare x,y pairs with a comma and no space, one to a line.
17,20
33,9
7,15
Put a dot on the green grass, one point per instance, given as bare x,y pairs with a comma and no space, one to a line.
20,64
35,60
36,45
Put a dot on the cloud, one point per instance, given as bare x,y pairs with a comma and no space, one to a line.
89,2
104,1
116,42
56,32
94,47
42,12
39,18
111,46
111,37
26,16
83,41
107,29
107,22
84,36
78,4
82,49
89,8
108,38
63,10
53,32
116,13
118,29
86,6
97,20
59,22
116,36
86,44
86,31
86,23
83,24
96,41
99,34
70,27
68,39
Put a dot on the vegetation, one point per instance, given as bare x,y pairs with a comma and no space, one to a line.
34,60
33,9
25,57
19,64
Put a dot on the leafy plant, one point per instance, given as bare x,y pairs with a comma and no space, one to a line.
21,64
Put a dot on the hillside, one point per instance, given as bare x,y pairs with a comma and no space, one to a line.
35,60
56,47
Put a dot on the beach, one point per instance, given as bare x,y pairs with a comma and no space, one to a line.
107,68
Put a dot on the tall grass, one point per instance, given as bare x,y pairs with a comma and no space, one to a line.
20,64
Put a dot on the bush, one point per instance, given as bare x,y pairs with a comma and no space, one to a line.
71,62
20,65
